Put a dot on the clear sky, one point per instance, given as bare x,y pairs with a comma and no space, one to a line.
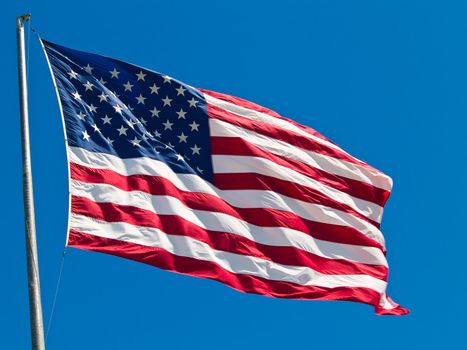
386,80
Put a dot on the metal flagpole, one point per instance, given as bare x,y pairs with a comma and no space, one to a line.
35,308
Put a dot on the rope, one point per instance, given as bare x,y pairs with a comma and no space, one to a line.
57,288
62,263
35,32
27,51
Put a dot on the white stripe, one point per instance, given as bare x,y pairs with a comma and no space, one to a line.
386,303
237,198
267,119
245,164
283,124
329,164
235,263
220,222
309,211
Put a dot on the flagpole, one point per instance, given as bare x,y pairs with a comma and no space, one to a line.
35,307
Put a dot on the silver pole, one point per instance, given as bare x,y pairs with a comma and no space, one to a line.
35,308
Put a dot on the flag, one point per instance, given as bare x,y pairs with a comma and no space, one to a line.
211,185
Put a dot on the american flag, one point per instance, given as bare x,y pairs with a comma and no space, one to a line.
214,186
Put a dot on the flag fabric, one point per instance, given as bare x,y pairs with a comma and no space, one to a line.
211,185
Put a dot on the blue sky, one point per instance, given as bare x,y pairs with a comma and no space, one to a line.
386,80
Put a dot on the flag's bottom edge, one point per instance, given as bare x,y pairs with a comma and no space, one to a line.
244,283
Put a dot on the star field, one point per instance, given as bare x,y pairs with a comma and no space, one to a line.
114,107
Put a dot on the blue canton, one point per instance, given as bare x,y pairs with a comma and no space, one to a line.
118,108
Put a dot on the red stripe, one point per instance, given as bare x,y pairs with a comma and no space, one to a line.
241,147
254,181
278,133
176,225
265,217
207,269
255,107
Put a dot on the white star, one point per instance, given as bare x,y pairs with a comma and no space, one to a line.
192,102
135,142
143,121
88,86
141,75
73,74
141,99
106,119
131,124
167,125
103,97
92,108
182,138
199,169
157,133
167,79
118,109
167,101
128,86
114,73
96,128
76,95
154,89
85,135
122,131
195,149
81,115
155,112
129,107
88,69
179,157
181,91
181,113
194,126
169,145
102,81
109,141
114,94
